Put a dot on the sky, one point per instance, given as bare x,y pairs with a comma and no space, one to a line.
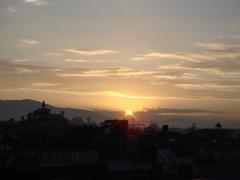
128,54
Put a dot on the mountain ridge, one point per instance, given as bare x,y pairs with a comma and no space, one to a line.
173,117
17,108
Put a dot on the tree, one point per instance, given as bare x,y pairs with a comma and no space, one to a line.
218,126
193,128
77,121
88,120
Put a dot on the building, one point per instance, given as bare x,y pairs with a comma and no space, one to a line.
44,117
116,127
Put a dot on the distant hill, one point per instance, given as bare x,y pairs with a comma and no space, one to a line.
17,108
173,117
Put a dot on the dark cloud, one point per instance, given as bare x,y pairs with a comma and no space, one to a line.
184,118
184,111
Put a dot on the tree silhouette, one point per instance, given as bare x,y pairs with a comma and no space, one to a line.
88,120
218,126
153,126
193,128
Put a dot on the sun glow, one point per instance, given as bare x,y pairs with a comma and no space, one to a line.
128,113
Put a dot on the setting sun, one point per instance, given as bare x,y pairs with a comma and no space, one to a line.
129,113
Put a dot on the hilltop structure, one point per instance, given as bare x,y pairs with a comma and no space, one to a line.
44,116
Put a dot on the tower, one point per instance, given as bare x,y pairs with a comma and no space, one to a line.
43,104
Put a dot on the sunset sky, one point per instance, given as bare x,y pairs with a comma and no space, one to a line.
122,54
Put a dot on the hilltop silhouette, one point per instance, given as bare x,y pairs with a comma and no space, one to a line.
17,108
181,118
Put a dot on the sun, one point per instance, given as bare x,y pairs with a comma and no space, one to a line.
128,113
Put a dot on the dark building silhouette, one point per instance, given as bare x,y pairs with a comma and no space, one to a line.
165,129
116,127
46,143
44,117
